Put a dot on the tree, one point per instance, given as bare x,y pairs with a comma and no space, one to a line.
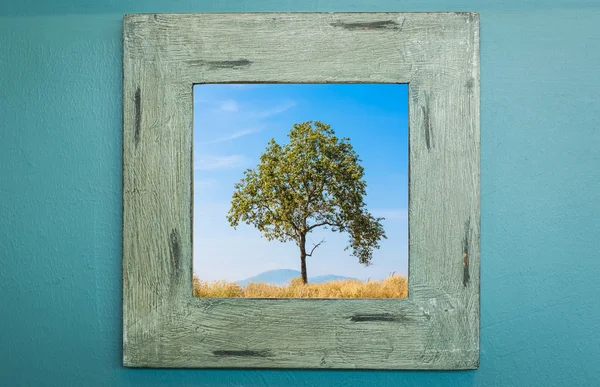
315,180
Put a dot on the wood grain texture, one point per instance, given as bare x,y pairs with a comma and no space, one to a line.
437,326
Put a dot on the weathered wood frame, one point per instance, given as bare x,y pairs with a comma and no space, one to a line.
437,326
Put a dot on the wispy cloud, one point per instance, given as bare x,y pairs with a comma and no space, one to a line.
232,136
391,214
210,163
212,210
205,182
229,105
275,110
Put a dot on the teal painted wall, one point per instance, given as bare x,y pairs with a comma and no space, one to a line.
60,196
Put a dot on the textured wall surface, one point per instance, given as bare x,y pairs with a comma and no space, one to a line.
60,195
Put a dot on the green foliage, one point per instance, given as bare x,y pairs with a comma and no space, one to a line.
315,180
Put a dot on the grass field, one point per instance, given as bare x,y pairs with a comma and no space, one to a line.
394,286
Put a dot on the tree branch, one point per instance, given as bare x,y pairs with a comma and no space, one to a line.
314,247
280,219
323,224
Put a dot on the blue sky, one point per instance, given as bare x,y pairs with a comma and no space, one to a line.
232,125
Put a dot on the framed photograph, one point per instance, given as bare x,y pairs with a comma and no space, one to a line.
301,190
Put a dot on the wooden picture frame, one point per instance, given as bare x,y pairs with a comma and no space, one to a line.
437,326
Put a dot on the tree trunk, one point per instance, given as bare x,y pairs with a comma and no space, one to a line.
303,258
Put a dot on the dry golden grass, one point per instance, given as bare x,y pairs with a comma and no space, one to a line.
394,286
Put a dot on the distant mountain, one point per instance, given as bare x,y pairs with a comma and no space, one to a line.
273,277
284,276
328,277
